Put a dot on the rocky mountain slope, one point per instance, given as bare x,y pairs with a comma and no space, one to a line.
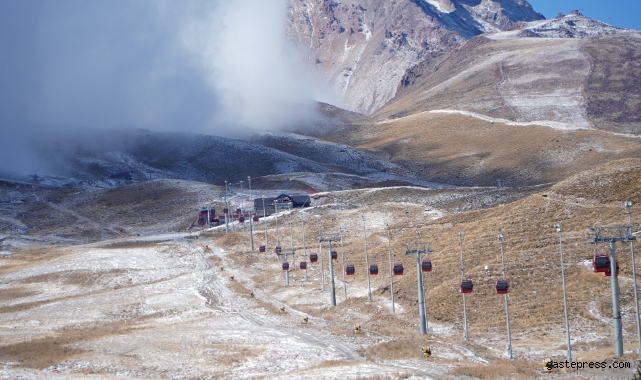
364,47
91,157
569,73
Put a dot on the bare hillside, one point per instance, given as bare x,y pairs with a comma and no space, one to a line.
613,88
472,150
202,305
91,157
573,83
42,214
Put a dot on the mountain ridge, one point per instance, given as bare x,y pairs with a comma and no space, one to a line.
568,74
363,47
368,51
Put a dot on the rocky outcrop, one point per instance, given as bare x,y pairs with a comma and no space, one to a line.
573,25
364,47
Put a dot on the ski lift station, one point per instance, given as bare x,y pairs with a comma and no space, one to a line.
268,206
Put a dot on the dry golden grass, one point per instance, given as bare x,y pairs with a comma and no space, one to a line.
531,254
21,259
397,349
532,259
74,277
464,150
43,352
499,369
229,355
26,305
16,292
331,363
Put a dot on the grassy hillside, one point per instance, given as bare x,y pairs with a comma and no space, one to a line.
464,150
531,252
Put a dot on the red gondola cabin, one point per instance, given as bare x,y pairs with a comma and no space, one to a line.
334,255
285,265
426,266
278,250
303,265
261,248
350,270
601,263
501,286
466,285
241,219
313,257
373,269
398,269
255,219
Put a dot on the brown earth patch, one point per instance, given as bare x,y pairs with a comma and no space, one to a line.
47,351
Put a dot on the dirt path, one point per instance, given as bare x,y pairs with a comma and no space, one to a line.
215,290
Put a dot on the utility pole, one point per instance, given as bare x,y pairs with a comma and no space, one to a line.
287,271
391,277
340,229
628,212
291,234
329,240
320,252
302,220
369,288
265,221
419,249
427,249
460,240
277,237
249,181
226,208
251,233
568,354
507,313
611,235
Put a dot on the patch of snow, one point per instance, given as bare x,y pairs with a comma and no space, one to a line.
570,26
546,123
443,6
586,263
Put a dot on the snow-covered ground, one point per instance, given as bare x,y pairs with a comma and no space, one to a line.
569,26
173,315
546,123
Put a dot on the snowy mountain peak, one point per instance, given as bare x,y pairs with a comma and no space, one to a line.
574,25
364,48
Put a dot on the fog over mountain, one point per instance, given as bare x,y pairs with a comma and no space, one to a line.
222,68
164,65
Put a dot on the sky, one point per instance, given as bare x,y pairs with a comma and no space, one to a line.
621,13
